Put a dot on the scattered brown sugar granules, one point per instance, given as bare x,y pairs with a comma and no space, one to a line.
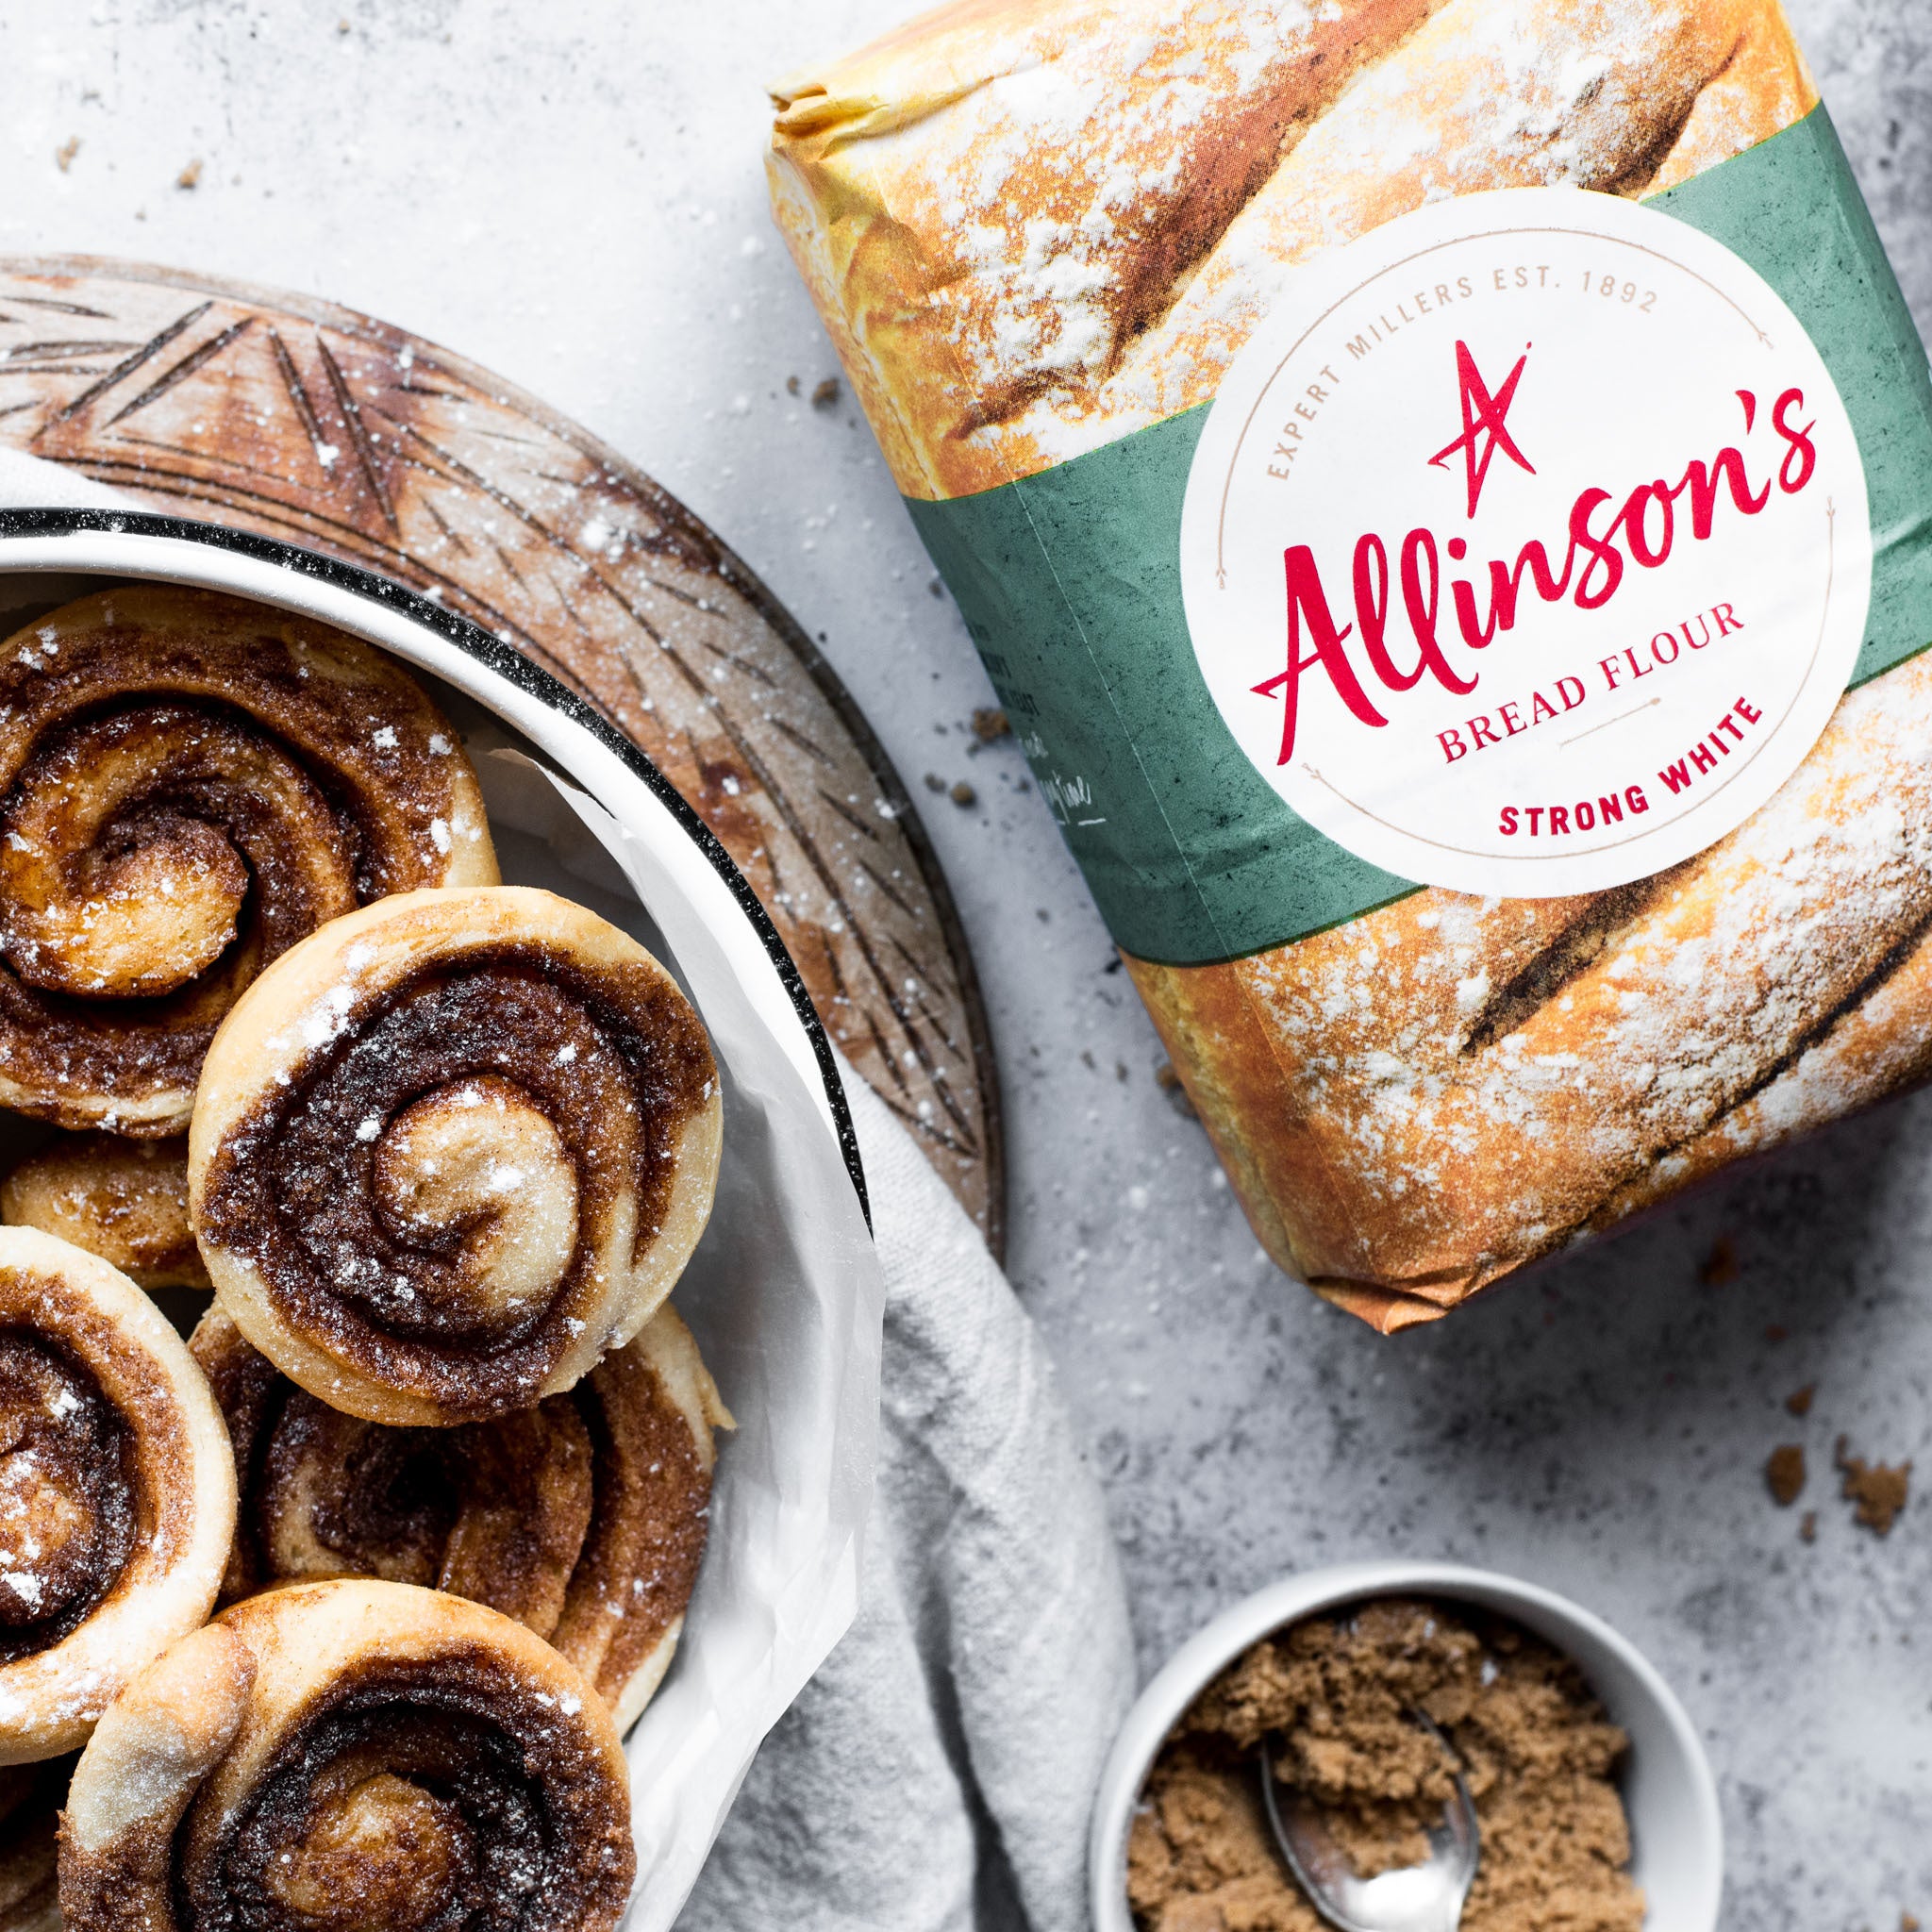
1880,1489
1330,1696
1785,1474
1720,1267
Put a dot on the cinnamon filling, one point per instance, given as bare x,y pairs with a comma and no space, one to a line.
333,1495
528,1488
68,1512
476,1163
647,1531
584,1519
380,1855
426,1797
65,1051
493,1511
151,861
130,842
429,1195
183,796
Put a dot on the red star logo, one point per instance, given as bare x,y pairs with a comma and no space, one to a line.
1484,423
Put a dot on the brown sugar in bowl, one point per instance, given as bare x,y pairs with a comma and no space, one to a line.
1664,1780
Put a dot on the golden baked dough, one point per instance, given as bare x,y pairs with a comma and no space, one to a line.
656,1406
1033,229
1765,86
189,784
1001,198
125,1201
584,1519
117,1491
348,1756
1543,1064
1457,109
450,1150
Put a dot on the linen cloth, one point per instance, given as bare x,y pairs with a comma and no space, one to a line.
956,1736
937,1773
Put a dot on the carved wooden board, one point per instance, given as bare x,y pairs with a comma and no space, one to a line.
299,420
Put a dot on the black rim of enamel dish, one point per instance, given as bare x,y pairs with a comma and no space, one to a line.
515,668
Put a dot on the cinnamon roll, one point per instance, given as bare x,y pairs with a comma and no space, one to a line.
351,1757
125,1201
584,1519
117,1491
189,784
452,1149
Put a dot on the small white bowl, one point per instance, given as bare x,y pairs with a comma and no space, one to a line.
1676,1832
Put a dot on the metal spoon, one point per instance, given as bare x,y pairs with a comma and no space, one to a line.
1419,1898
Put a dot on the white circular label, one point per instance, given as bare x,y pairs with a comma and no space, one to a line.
1527,548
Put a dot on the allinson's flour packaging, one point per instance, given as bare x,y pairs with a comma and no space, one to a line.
1443,489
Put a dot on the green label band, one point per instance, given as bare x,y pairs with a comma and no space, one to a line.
1070,583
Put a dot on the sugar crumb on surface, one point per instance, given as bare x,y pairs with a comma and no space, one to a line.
1720,1267
1784,1474
1878,1490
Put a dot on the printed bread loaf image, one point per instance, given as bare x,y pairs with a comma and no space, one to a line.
1031,229
1040,238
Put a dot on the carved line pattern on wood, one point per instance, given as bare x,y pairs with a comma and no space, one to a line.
305,422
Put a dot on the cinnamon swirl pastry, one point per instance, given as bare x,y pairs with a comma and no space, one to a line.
356,1757
584,1519
452,1149
117,1491
189,784
125,1201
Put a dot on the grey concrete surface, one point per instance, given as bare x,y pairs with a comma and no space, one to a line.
570,192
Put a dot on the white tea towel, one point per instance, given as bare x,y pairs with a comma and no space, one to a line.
963,1721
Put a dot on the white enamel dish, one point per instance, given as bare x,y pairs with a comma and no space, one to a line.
784,1292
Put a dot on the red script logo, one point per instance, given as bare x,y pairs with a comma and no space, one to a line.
1484,423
